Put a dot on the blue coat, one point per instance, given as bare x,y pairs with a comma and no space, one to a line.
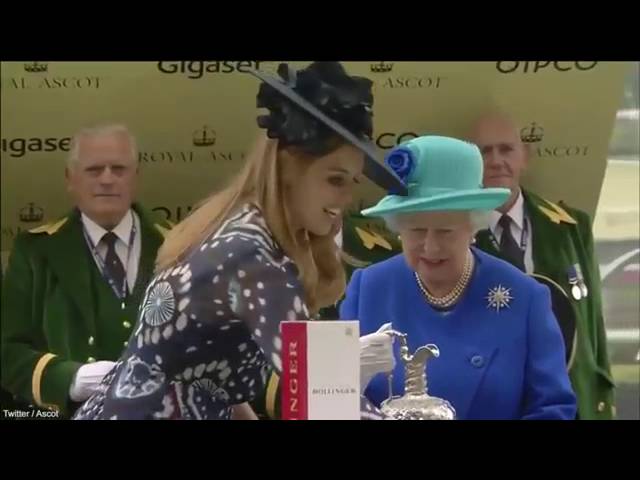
505,364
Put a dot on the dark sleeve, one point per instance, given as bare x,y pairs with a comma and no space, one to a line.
29,372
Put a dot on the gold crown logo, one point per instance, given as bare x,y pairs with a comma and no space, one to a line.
532,133
204,137
31,214
381,67
36,67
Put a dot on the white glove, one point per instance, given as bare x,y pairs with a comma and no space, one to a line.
87,379
376,355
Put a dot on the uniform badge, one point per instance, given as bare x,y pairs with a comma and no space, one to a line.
572,277
581,283
499,297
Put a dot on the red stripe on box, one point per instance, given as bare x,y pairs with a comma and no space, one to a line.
294,371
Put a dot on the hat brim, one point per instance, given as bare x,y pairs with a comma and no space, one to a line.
478,199
375,170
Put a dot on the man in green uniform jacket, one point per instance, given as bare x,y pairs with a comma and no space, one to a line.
72,287
553,240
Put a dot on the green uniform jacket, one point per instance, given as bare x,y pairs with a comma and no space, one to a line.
58,312
562,237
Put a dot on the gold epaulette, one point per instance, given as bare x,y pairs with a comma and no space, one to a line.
371,239
558,214
49,228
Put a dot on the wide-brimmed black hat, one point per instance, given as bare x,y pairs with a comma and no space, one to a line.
307,108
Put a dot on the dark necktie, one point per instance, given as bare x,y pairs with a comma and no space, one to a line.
508,245
112,262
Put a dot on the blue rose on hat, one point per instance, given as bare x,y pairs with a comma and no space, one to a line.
402,162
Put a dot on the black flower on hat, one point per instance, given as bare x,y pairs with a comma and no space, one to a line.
345,99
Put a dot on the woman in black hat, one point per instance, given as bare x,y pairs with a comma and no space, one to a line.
252,255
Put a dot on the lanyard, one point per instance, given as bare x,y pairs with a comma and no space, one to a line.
524,237
122,294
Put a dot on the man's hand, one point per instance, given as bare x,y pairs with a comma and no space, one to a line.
87,379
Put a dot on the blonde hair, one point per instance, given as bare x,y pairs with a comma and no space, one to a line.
261,182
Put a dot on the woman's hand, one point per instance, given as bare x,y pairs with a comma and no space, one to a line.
376,354
243,411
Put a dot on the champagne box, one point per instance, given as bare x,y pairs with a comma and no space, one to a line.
320,370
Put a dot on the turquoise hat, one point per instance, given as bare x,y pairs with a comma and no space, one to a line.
441,173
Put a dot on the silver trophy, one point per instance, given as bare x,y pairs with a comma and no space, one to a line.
416,403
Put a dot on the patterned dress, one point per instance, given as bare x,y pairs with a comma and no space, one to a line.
208,330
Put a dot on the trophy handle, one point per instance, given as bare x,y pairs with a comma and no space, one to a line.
403,342
424,353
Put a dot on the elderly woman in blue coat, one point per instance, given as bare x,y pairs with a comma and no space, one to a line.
501,350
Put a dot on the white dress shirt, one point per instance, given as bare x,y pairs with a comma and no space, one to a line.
123,234
518,217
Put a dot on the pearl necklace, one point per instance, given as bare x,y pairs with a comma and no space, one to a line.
454,295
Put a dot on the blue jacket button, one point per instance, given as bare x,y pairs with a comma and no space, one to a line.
477,361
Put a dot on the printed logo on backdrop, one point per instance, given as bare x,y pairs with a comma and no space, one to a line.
173,214
204,138
30,214
19,147
38,76
395,82
533,134
381,67
198,69
545,66
388,140
205,148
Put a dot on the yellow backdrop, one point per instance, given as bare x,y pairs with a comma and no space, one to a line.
195,120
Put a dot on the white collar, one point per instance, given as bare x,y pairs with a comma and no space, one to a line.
516,213
96,232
